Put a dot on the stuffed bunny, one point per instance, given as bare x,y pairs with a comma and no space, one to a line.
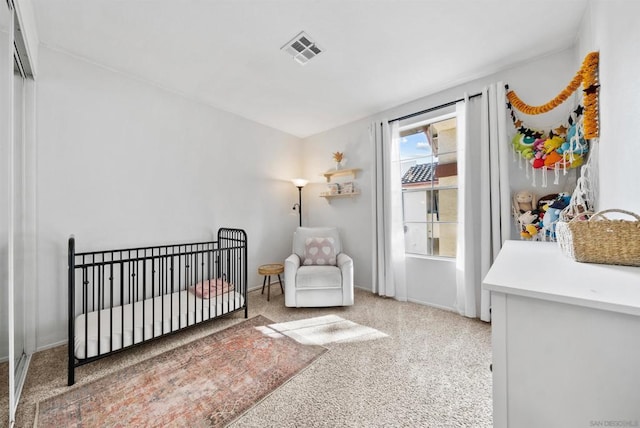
524,201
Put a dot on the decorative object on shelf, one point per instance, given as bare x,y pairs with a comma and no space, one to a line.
347,188
594,238
333,189
299,183
337,157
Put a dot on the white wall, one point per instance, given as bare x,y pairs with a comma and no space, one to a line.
611,28
535,81
124,163
351,215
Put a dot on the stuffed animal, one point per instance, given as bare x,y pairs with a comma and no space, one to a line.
523,145
531,231
551,159
561,201
551,144
547,200
528,221
538,160
549,221
575,148
552,214
524,201
577,143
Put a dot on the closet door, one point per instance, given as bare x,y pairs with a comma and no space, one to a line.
19,286
6,237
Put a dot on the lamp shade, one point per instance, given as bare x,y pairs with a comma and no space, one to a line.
299,182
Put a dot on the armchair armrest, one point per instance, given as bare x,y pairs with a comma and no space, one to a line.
345,263
344,260
291,265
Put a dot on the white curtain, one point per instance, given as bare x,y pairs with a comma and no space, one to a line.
465,256
389,273
484,215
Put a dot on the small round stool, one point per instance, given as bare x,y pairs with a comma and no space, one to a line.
267,271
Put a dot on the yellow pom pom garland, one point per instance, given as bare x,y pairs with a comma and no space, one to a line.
588,76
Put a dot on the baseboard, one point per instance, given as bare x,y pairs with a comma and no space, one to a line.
433,305
419,302
51,345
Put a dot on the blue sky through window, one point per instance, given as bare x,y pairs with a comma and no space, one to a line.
415,146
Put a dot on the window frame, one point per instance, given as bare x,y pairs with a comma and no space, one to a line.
432,189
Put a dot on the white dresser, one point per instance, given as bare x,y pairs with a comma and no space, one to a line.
566,340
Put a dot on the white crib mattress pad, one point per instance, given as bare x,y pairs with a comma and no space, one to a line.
162,314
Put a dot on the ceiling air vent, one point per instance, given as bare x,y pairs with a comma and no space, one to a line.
302,48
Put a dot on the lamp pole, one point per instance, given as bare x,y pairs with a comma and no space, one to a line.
299,183
300,204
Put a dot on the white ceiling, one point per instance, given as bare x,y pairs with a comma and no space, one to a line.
377,53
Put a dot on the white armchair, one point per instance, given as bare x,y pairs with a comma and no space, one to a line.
317,285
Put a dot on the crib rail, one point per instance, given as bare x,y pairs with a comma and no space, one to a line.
150,283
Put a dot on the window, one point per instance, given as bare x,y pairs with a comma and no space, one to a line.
429,168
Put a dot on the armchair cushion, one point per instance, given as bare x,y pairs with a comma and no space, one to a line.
318,277
319,251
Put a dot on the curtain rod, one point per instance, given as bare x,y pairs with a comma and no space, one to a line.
418,113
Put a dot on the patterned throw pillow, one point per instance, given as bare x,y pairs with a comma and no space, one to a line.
319,251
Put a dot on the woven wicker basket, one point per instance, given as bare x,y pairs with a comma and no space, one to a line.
601,240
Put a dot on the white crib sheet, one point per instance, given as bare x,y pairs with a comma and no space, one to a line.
155,323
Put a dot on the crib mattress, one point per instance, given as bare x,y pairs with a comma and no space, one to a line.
180,309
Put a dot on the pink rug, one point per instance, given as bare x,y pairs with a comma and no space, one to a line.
209,382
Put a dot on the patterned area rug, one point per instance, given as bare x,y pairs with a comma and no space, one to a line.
209,382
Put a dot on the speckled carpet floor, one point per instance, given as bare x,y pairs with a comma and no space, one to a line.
208,382
431,371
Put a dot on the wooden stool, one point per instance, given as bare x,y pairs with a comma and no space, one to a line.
267,271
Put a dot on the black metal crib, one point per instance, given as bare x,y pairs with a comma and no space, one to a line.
129,296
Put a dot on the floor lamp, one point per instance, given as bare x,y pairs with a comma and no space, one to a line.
299,183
